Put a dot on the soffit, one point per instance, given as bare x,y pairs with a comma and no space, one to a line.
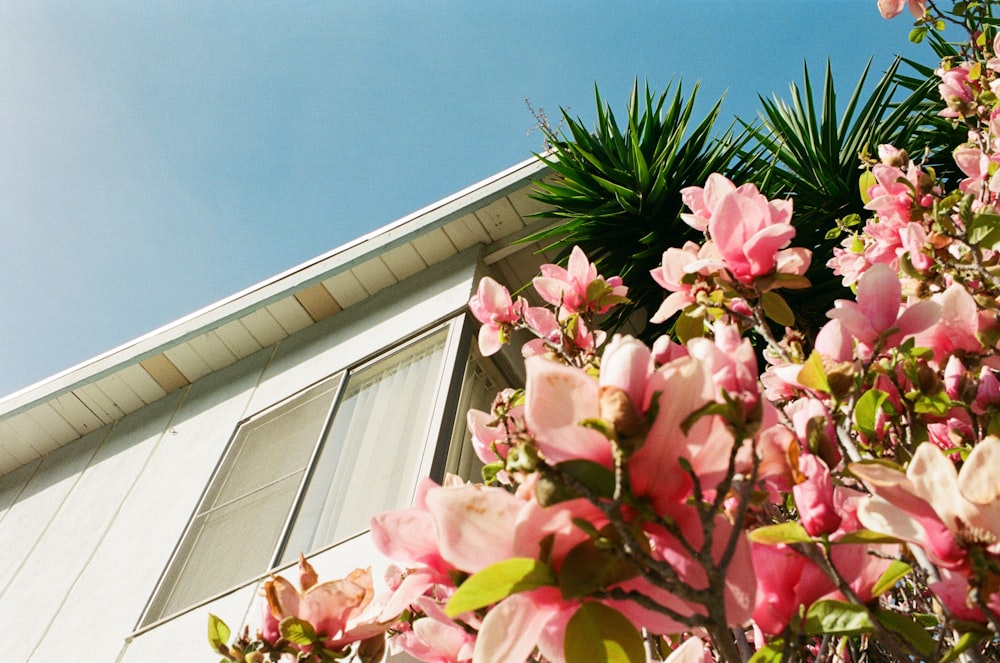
492,213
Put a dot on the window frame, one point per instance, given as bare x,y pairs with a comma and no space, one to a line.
455,355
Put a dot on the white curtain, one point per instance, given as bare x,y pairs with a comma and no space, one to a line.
372,452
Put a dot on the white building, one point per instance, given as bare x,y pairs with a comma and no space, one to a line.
163,480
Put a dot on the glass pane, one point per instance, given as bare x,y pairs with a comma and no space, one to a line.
479,388
372,452
239,523
274,445
228,546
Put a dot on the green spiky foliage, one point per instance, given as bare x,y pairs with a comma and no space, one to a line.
617,193
813,156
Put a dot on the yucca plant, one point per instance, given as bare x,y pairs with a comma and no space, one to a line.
813,155
617,193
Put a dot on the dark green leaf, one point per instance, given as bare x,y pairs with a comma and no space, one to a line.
910,631
777,309
588,568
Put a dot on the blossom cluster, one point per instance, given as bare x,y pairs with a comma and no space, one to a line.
697,498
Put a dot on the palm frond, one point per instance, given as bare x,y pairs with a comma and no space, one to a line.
618,187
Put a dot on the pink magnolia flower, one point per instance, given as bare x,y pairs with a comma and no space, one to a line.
876,315
788,581
493,307
626,365
490,431
336,609
956,328
692,650
748,230
732,362
943,510
956,90
578,288
892,8
703,201
679,388
674,275
814,497
571,336
557,399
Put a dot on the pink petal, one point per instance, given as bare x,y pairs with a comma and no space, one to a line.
557,399
879,296
475,525
511,629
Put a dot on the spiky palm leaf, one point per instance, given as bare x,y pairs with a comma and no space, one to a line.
812,152
618,188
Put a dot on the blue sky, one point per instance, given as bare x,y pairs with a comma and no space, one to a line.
158,156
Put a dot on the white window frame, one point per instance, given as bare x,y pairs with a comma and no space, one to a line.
434,451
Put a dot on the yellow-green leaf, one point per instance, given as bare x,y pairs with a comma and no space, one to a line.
598,633
218,632
813,375
829,617
790,532
498,581
892,575
866,181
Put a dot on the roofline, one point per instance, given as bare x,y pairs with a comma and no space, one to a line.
275,288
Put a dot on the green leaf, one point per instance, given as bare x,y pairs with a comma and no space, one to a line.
597,633
813,375
937,404
768,654
688,327
984,231
218,633
912,632
776,308
595,477
892,575
829,617
790,532
867,409
297,631
498,581
865,536
866,181
965,642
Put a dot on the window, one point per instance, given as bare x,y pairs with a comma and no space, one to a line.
308,473
482,382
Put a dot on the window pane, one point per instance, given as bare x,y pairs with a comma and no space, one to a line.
230,545
480,386
372,452
239,523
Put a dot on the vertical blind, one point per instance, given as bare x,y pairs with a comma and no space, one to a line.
371,455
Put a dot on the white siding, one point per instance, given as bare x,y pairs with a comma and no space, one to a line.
88,529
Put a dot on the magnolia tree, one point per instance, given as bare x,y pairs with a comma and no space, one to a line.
835,498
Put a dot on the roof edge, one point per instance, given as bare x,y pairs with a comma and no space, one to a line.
275,288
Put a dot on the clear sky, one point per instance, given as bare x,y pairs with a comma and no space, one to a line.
158,156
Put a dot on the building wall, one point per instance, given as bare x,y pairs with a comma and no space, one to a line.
87,530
